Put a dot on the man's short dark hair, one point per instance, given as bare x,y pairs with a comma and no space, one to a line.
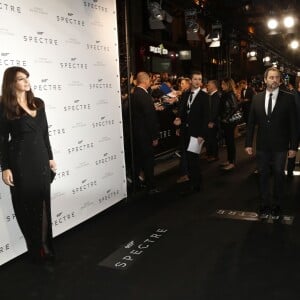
196,73
271,69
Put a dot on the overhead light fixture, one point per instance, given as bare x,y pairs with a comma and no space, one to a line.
267,60
192,26
289,21
156,10
214,37
215,44
157,15
294,44
272,24
252,53
194,32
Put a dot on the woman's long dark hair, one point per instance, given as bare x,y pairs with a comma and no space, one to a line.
230,85
12,109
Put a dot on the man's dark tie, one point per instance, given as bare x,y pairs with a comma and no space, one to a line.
189,103
270,106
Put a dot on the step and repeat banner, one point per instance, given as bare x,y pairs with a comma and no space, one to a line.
70,49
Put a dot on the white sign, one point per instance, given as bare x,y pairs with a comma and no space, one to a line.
70,49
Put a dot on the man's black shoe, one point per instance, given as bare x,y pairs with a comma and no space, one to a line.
275,212
264,212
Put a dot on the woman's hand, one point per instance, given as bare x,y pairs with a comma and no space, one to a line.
7,177
52,165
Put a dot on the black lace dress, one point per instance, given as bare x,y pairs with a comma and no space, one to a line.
25,149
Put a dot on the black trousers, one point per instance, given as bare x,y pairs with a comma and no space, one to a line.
291,163
275,161
193,164
229,140
211,142
183,165
144,161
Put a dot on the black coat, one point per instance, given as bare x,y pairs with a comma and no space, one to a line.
248,94
228,106
27,154
194,122
145,122
280,132
212,108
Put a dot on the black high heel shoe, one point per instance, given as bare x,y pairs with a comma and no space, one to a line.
47,254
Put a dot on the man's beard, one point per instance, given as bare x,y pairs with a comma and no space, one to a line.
273,86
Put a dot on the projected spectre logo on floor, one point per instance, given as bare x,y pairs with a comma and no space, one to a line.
129,253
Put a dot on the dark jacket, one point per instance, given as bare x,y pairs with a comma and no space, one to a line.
212,107
194,121
228,106
145,123
280,132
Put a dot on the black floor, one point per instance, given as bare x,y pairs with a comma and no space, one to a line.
198,257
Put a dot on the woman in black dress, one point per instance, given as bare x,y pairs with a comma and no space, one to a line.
26,160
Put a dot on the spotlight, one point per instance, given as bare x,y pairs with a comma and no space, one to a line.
215,44
156,11
289,21
252,53
192,26
272,24
215,36
267,60
294,44
158,15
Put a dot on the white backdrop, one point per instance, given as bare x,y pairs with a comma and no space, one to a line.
70,49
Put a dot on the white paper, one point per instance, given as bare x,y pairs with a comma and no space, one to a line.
194,146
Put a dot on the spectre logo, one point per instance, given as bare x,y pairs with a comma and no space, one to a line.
80,147
77,106
74,64
85,185
61,218
11,61
103,122
46,86
70,20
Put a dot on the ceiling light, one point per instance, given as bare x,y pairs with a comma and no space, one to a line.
215,44
156,11
252,53
192,26
267,60
294,44
272,24
289,22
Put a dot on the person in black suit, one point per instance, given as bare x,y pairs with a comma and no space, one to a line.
145,131
212,107
274,113
192,124
247,94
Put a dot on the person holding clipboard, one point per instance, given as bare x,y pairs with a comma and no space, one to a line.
192,127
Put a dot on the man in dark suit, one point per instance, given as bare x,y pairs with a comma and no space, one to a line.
274,113
247,94
212,107
145,131
192,124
